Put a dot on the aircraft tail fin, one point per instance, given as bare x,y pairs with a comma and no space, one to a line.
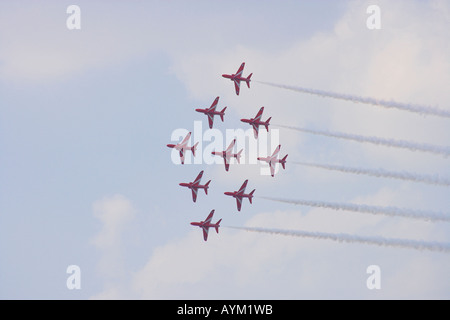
266,124
222,113
248,79
194,147
283,162
206,187
251,196
218,225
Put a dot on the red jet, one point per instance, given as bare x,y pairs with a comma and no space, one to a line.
211,112
272,160
239,195
182,147
228,154
205,225
237,78
194,186
256,122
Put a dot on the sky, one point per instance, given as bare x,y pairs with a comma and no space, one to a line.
86,178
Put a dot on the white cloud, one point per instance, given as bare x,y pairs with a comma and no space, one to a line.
115,214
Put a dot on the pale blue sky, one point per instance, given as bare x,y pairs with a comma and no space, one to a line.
85,116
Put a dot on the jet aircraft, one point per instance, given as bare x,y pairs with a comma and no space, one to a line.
240,194
256,122
273,160
182,147
211,112
237,78
195,185
228,154
205,225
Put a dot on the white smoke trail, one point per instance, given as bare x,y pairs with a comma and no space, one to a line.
343,237
428,110
403,144
362,208
408,176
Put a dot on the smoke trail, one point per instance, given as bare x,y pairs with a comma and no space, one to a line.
343,237
362,208
409,176
403,144
367,100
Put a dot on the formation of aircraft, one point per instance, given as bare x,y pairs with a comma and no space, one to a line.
273,160
211,112
237,78
256,122
182,147
228,154
240,194
195,185
205,225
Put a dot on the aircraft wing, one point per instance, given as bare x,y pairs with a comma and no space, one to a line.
231,146
205,233
272,168
194,194
242,189
186,139
214,105
237,86
255,130
239,203
227,164
209,218
182,156
199,177
275,153
241,69
210,120
259,114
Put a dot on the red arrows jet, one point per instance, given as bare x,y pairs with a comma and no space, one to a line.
237,78
211,112
239,195
256,122
205,225
272,160
228,154
194,186
182,147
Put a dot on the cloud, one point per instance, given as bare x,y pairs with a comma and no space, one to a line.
36,44
115,213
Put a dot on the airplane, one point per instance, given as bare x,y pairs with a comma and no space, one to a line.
211,112
272,160
182,147
228,154
237,78
194,186
256,122
240,194
205,225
